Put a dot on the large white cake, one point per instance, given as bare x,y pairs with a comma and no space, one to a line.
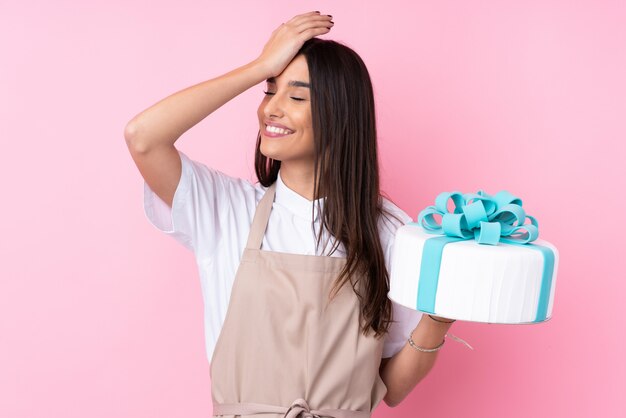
458,278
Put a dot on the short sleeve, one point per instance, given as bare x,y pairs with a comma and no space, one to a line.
392,219
201,195
405,321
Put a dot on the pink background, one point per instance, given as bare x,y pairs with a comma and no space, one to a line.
101,315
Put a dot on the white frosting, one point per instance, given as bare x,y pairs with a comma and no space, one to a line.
481,283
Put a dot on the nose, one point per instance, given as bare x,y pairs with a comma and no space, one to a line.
273,106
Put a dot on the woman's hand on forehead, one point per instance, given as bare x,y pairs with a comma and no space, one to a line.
288,38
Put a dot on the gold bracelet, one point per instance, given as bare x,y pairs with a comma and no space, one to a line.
425,350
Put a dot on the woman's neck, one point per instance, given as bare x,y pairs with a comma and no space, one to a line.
298,179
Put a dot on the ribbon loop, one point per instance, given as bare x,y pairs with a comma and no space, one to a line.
488,233
441,201
487,201
509,214
474,213
426,220
454,224
504,198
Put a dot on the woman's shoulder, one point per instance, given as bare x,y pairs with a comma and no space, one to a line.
211,178
392,216
391,219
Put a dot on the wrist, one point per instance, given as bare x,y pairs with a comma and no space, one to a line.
434,326
260,69
429,333
267,66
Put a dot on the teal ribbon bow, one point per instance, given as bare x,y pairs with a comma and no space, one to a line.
487,219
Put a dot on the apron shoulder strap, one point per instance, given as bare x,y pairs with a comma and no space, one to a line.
261,217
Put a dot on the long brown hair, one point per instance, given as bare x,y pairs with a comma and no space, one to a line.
346,172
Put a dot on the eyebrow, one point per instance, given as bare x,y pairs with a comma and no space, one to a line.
293,83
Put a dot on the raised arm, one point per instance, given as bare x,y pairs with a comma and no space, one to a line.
151,134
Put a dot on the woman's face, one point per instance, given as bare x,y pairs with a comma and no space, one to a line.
285,116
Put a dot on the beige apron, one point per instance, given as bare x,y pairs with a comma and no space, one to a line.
284,351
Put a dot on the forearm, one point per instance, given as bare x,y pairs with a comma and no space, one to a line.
408,367
164,122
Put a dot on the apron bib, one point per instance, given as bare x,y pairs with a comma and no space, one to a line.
285,350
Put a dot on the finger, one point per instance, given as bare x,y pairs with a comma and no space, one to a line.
312,21
298,19
314,25
312,33
314,18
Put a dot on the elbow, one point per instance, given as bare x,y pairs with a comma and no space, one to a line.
130,131
133,139
391,402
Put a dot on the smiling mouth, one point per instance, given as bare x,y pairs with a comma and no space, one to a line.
276,131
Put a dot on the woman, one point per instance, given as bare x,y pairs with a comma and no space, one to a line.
294,269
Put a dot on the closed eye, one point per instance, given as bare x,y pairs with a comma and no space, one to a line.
271,93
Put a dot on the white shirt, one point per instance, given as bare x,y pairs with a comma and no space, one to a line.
211,215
